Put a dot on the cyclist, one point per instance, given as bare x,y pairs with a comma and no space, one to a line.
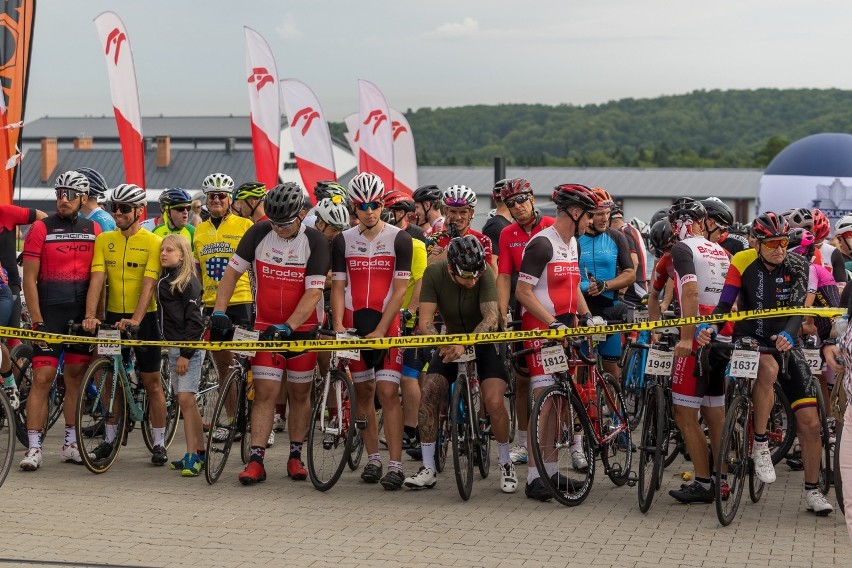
400,205
802,218
549,291
371,266
719,219
427,209
324,190
459,203
92,203
214,243
463,289
247,201
843,238
501,219
128,262
57,264
699,273
290,262
832,258
638,253
768,277
605,268
517,196
331,217
175,204
662,288
11,217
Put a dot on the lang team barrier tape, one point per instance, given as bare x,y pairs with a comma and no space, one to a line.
423,340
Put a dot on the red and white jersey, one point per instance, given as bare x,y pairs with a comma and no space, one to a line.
435,227
551,266
370,267
695,259
283,270
663,272
513,240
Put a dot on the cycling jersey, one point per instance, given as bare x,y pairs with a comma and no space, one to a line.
513,239
435,227
10,217
826,295
102,218
754,287
550,266
639,288
695,259
832,259
416,233
126,261
444,242
163,229
418,266
213,247
151,223
733,242
460,307
603,257
284,269
64,249
493,228
370,266
663,272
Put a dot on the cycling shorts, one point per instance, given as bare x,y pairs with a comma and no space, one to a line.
147,358
695,392
381,364
270,366
56,320
610,350
413,361
240,314
489,364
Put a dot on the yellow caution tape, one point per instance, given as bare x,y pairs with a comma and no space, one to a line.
423,340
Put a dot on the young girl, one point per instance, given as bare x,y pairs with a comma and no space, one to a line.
179,307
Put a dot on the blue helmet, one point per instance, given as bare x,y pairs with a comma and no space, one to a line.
174,196
98,186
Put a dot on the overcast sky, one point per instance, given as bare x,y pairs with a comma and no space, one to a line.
190,57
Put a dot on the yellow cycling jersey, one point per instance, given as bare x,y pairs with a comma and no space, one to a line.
126,261
213,248
162,230
418,266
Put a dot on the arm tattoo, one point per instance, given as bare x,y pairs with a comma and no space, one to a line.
490,317
431,329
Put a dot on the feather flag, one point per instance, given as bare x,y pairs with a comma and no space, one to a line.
265,104
375,134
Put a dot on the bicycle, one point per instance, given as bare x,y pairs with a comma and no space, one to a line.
594,408
112,395
633,363
838,403
208,390
470,440
7,436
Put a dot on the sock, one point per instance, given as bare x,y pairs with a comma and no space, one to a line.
428,449
397,465
8,379
375,458
704,482
532,474
257,454
70,435
522,438
110,432
502,453
761,441
550,468
811,486
411,431
578,442
159,436
202,455
296,450
34,437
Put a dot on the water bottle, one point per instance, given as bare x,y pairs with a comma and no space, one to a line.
133,378
840,325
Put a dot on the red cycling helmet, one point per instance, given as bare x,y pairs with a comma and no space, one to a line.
822,226
574,195
513,187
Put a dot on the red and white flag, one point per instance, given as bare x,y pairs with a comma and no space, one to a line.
15,159
310,134
404,156
375,135
351,134
265,104
125,96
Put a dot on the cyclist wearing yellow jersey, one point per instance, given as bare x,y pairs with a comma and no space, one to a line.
175,204
128,261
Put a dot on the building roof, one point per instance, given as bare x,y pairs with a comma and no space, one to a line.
620,182
178,127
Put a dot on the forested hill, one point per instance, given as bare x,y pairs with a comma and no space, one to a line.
725,129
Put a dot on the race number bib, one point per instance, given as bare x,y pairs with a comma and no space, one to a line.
744,364
109,349
467,355
638,316
241,334
659,362
814,360
598,337
351,354
553,359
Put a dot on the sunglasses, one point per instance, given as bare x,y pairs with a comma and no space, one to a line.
221,196
284,224
517,200
465,275
124,208
460,202
369,206
774,244
68,193
181,208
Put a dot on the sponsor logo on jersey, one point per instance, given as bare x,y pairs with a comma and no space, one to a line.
215,248
367,264
285,273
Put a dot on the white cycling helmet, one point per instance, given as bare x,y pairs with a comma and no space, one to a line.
333,211
844,225
128,193
73,180
459,196
366,187
217,182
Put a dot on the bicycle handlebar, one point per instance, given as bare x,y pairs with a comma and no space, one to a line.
130,332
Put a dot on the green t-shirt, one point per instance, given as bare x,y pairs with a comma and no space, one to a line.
162,230
459,306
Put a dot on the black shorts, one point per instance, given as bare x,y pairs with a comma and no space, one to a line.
56,320
489,364
240,314
799,386
147,358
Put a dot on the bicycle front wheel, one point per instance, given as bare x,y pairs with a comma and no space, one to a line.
556,416
7,436
825,473
223,427
510,399
633,379
462,437
617,453
442,444
781,427
838,477
651,446
101,416
331,431
22,367
734,459
482,439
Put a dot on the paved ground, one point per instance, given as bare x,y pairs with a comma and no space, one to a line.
140,515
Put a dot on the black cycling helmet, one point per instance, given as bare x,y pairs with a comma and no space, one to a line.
769,225
466,255
283,202
661,238
498,187
801,217
427,193
718,211
661,214
98,186
570,195
686,208
327,189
